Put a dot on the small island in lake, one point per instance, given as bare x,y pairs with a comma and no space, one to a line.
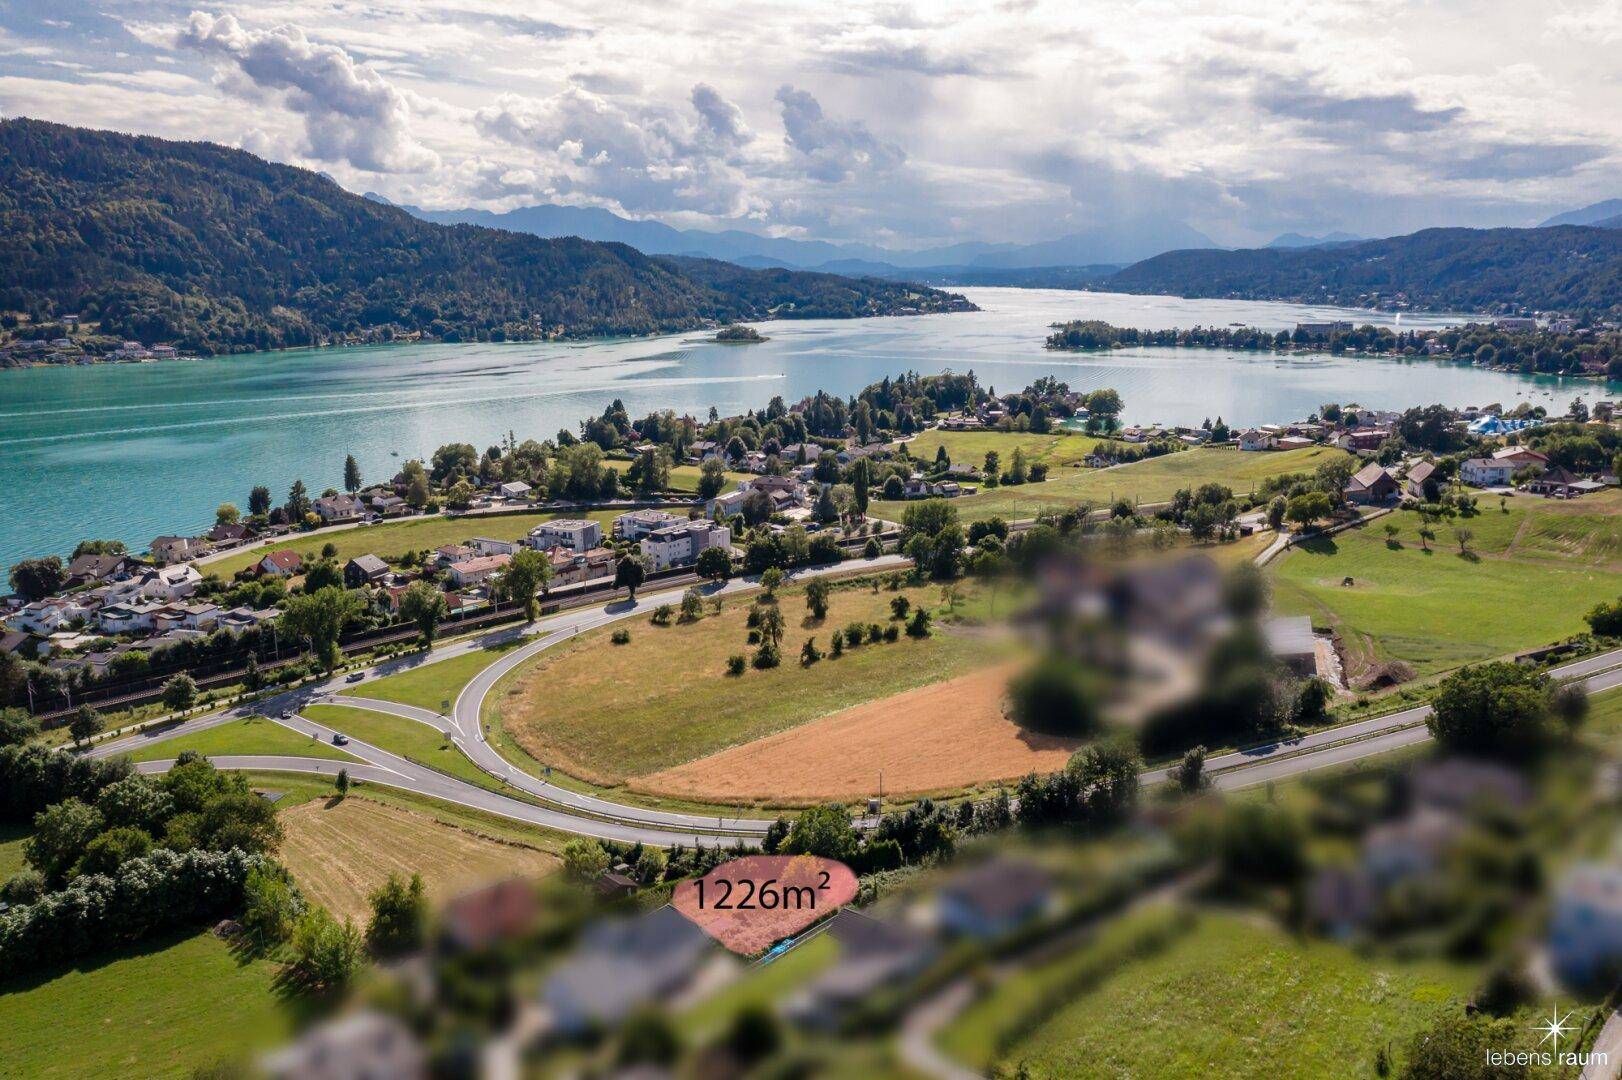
740,334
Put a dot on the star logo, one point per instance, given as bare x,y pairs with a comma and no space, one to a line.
1553,1028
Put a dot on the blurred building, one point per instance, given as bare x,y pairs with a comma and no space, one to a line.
1585,924
364,1046
621,964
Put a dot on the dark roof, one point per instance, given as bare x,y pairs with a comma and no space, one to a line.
490,914
369,565
1421,472
1000,888
1370,475
1559,474
94,565
12,641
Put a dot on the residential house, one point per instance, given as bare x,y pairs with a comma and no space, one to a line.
185,617
873,955
675,545
1561,483
452,553
1361,440
489,916
576,534
1521,457
173,549
129,618
1410,848
1371,485
281,563
339,508
51,614
639,523
1516,325
228,534
622,964
239,619
1459,785
1487,472
360,1046
88,568
365,570
388,504
487,546
1294,442
1585,925
994,898
477,570
1293,644
702,450
725,505
514,489
1418,473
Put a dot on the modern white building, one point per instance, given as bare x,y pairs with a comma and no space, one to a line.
675,545
1487,472
639,523
576,534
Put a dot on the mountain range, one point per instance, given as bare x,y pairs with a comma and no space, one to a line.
1565,267
217,250
1604,215
1114,244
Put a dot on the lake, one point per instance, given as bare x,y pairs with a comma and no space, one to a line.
135,451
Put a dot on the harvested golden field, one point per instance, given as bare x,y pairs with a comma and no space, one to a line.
942,737
606,713
338,852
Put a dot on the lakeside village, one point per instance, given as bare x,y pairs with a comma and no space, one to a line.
785,486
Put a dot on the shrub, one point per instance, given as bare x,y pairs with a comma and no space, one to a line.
399,913
161,890
919,626
899,607
892,633
326,953
873,549
1054,697
767,656
736,663
837,649
621,636
854,634
662,615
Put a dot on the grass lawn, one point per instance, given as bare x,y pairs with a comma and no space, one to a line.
166,1007
340,850
12,840
408,738
969,447
1225,997
609,712
398,537
431,685
1534,568
254,735
685,478
1154,480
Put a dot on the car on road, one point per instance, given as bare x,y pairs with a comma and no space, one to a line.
355,676
287,714
340,739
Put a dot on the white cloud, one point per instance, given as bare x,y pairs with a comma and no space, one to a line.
351,113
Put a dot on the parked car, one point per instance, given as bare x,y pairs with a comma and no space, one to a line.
355,676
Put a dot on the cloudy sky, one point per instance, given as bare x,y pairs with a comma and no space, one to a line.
899,124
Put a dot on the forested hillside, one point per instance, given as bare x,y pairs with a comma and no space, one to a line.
1568,268
215,250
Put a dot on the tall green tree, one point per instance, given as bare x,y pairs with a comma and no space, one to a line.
319,618
351,473
629,574
424,605
529,572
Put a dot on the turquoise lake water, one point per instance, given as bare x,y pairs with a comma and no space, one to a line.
135,451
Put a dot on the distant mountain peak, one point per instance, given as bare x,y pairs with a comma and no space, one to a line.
1602,214
1299,240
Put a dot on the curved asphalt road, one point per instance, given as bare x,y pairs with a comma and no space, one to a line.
591,815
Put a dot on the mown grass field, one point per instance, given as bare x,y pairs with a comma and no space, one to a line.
411,740
429,686
1152,481
607,712
253,735
163,1008
970,447
1532,570
685,478
340,850
1224,997
393,538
